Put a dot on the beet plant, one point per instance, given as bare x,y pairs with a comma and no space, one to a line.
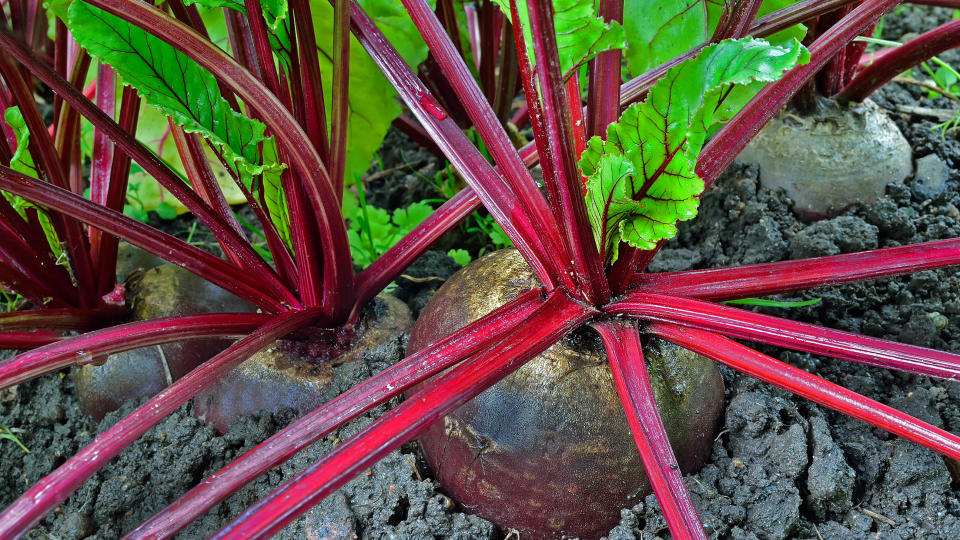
644,169
236,147
833,147
307,281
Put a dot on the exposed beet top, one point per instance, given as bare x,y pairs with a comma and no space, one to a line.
547,451
291,115
164,291
297,375
832,158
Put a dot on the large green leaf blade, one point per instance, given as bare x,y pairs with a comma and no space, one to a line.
735,64
581,34
170,81
661,140
659,30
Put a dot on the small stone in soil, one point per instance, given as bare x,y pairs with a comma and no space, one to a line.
930,178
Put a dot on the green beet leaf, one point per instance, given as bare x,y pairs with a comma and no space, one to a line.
659,30
641,180
21,161
581,34
170,81
270,185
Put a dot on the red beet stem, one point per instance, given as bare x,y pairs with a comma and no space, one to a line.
319,423
49,492
511,195
630,376
337,266
920,49
789,276
744,359
557,316
811,338
86,348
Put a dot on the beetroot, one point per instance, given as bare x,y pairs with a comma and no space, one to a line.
831,159
547,451
297,375
164,291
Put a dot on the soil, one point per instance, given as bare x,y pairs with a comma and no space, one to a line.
781,467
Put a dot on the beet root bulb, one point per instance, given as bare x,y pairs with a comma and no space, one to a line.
164,291
831,159
547,451
296,377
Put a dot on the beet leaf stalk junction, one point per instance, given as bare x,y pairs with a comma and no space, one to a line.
643,170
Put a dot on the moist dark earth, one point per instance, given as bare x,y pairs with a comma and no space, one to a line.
781,466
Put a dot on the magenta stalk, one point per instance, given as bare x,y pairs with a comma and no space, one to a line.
389,265
518,185
917,50
625,353
804,337
473,338
789,276
150,162
89,347
564,185
491,186
337,269
551,321
28,340
797,381
49,492
77,319
139,234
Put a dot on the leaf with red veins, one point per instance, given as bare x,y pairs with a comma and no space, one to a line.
172,83
659,30
641,180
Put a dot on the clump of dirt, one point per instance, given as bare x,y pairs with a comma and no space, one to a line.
403,174
908,20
